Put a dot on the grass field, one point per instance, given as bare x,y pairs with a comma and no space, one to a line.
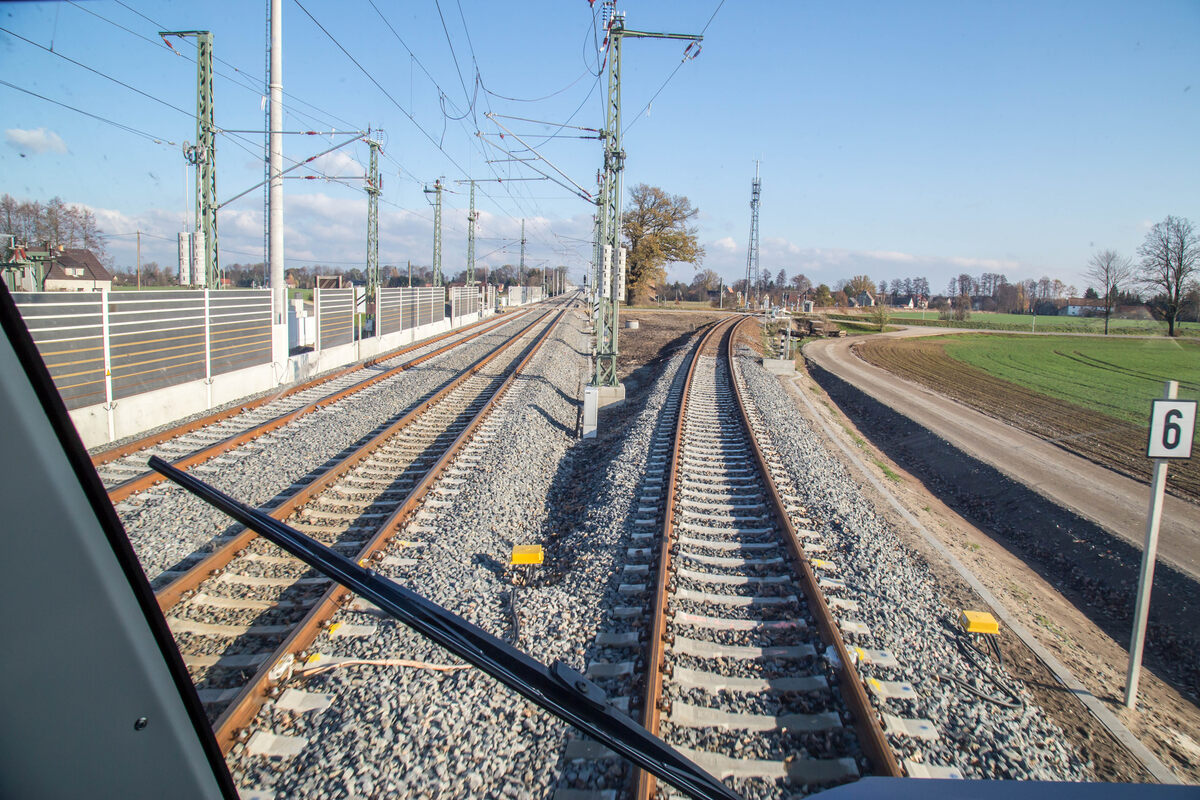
1115,376
1046,324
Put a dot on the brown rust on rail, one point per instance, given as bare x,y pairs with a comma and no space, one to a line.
242,710
142,482
171,594
651,713
870,734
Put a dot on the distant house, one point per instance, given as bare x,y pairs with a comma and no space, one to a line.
1082,306
863,300
76,270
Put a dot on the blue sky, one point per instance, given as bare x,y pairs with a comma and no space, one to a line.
896,139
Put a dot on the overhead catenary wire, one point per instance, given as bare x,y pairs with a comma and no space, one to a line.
253,86
129,128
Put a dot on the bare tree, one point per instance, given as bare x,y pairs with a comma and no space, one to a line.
1169,262
859,284
801,282
1110,270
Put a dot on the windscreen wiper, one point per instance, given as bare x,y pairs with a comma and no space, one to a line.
559,689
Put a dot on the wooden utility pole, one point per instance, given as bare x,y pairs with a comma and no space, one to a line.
139,260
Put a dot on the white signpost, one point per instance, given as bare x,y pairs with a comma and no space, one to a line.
1172,428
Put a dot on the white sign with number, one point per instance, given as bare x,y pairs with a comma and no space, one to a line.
1172,427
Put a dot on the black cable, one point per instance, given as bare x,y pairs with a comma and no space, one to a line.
156,139
971,655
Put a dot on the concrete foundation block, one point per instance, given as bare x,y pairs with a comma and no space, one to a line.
779,366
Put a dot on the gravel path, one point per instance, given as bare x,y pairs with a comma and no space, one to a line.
902,608
169,527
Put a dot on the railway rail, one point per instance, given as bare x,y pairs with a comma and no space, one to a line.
123,470
245,614
729,601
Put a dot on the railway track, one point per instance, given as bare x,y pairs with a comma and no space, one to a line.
244,615
732,606
123,469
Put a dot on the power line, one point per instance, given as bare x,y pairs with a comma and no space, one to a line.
238,81
685,59
156,139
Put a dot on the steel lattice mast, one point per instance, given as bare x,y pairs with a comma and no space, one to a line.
203,154
437,231
609,249
752,276
374,189
472,216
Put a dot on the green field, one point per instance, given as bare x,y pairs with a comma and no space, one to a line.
1115,376
987,320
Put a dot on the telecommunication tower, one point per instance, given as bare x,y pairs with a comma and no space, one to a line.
203,154
752,277
522,272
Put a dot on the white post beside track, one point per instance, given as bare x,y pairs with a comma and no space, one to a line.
1172,426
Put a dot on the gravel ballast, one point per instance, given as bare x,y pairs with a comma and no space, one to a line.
901,605
169,527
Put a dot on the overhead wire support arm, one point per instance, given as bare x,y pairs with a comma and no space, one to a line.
494,115
297,165
579,192
541,157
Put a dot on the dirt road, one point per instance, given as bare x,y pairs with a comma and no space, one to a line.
1114,502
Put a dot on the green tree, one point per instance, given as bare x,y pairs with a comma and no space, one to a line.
824,296
657,232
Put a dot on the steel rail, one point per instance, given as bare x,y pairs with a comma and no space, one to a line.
651,706
172,593
866,722
120,451
150,478
558,689
243,708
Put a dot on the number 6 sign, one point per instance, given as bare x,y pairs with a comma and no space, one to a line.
1172,426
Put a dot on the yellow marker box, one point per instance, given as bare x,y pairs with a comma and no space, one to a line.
979,622
527,554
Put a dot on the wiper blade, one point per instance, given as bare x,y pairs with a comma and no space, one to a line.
559,689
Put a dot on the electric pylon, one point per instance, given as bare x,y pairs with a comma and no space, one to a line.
203,154
374,189
752,276
437,231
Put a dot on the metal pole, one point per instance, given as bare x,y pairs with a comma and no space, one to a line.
139,260
106,344
374,189
275,165
1141,613
471,217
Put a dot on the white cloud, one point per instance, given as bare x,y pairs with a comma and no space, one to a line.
983,263
723,245
890,255
35,141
